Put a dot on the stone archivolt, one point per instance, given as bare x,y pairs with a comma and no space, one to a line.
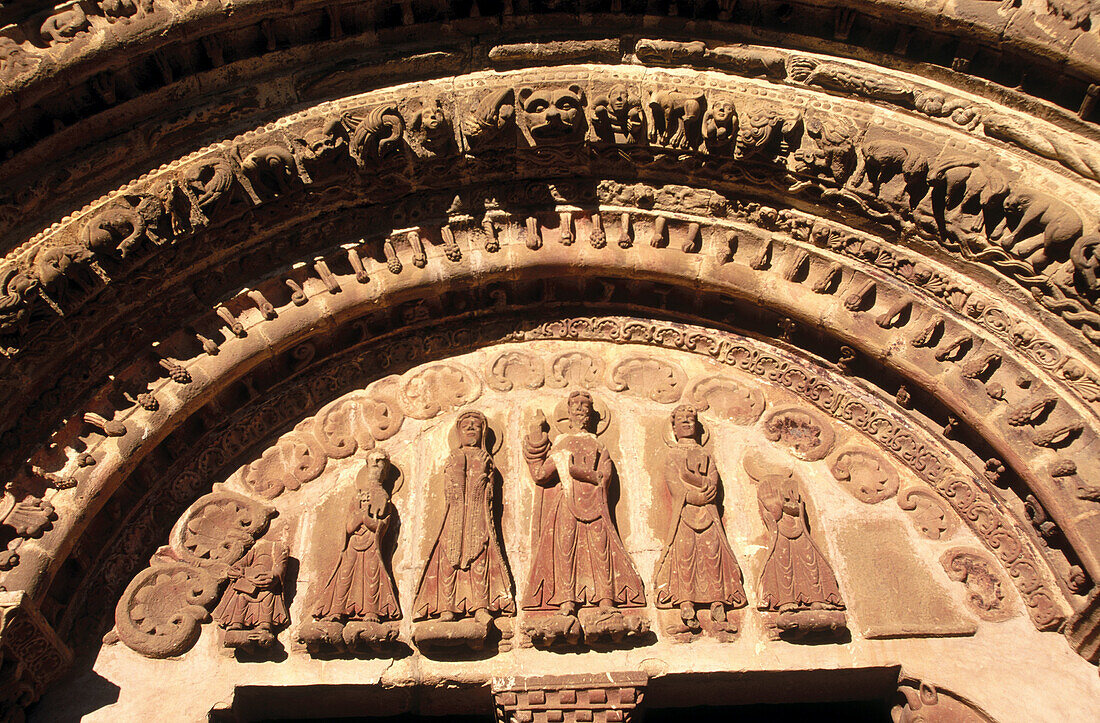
272,311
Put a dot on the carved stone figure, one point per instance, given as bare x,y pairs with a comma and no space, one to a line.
252,608
720,127
377,135
466,575
797,581
15,286
578,558
552,114
766,133
271,170
697,567
677,119
64,25
359,599
495,113
431,122
1037,228
618,118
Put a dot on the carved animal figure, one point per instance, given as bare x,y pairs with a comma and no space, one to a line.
618,118
117,228
766,131
57,266
493,114
207,184
552,113
966,185
881,160
14,288
677,118
835,152
1085,256
270,169
63,26
1042,227
720,127
378,135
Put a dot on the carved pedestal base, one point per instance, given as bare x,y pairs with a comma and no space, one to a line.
359,637
470,632
724,631
796,624
253,641
570,698
590,626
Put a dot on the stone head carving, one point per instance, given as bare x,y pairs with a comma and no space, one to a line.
581,413
685,422
472,427
552,113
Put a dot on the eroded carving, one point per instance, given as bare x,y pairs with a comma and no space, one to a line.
802,432
985,589
357,608
697,568
466,581
797,583
865,474
658,380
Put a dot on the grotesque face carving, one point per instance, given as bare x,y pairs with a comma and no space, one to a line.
580,410
552,113
684,422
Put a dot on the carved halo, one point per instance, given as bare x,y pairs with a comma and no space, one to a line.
561,415
493,440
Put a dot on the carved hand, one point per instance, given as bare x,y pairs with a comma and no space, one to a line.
263,579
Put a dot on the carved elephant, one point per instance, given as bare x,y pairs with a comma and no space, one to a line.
1038,228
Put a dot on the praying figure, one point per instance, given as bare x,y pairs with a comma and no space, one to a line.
466,574
360,588
697,568
578,559
797,581
252,607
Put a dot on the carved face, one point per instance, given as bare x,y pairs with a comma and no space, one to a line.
470,431
684,422
722,111
580,411
618,99
434,118
552,113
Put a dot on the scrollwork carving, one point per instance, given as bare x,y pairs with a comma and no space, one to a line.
161,611
985,593
865,474
655,379
514,369
739,403
802,432
438,389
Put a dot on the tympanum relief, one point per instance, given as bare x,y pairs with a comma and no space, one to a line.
566,494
